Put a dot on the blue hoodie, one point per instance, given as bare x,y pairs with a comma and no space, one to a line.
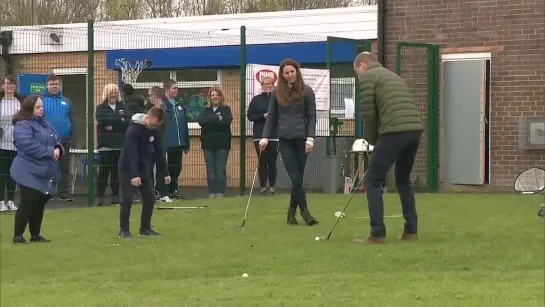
58,112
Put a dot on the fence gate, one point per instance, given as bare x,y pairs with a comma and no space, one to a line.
418,64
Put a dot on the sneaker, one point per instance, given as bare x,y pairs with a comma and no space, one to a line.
219,195
271,191
136,198
11,205
148,232
212,196
19,240
166,199
177,195
100,201
263,192
39,239
65,197
157,195
3,206
125,234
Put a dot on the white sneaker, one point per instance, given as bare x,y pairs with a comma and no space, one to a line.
11,205
166,199
3,206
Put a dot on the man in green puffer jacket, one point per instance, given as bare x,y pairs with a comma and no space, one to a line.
392,122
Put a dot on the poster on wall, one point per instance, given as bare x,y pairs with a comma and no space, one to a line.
317,79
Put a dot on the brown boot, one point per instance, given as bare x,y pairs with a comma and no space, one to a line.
409,237
309,219
291,217
370,240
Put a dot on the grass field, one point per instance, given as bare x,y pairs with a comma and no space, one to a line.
474,250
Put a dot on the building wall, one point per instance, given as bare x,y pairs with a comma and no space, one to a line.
514,32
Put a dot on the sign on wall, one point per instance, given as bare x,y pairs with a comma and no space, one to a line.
317,79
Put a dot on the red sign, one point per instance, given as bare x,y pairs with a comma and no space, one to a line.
260,75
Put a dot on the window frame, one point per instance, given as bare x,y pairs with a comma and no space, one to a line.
342,81
182,84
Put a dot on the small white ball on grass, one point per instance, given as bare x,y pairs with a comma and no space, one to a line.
317,239
245,275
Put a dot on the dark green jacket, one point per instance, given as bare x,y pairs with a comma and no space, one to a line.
387,104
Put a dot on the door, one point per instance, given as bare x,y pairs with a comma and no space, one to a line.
74,87
29,84
464,102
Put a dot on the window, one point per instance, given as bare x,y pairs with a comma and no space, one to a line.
194,86
341,88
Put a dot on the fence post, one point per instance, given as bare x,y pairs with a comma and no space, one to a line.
433,119
90,112
329,65
242,81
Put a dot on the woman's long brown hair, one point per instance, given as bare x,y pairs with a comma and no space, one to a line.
26,111
283,93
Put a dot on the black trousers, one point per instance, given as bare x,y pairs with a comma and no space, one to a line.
31,212
267,164
127,194
295,160
64,164
7,185
108,165
399,148
174,162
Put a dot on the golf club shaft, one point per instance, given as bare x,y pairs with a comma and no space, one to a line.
349,200
251,190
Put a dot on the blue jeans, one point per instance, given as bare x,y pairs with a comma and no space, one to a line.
216,170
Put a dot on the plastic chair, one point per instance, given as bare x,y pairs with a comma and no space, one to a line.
84,164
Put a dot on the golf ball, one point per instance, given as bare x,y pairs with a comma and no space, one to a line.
245,275
317,239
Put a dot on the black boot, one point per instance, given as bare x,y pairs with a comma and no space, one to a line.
309,219
39,239
291,217
19,240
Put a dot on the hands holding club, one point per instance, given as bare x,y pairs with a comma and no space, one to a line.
137,181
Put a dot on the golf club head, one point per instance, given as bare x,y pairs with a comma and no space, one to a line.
241,225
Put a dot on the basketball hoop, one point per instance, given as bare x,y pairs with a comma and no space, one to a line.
130,71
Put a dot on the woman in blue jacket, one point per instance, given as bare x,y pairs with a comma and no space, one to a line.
35,168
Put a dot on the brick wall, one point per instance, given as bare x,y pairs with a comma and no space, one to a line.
514,32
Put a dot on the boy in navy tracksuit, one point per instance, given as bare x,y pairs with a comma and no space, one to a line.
58,112
177,139
142,145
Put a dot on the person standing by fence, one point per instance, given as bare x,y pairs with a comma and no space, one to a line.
10,103
177,140
292,114
215,122
112,124
258,113
59,113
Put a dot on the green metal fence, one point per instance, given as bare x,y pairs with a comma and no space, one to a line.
90,86
418,64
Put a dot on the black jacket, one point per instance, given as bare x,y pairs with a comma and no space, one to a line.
256,114
117,119
216,134
134,103
141,148
297,120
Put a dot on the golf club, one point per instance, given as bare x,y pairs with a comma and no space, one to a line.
180,207
251,192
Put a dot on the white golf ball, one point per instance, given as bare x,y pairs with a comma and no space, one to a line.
317,239
245,275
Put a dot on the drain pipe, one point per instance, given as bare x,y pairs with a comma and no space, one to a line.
381,31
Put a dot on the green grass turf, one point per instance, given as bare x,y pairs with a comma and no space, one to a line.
474,250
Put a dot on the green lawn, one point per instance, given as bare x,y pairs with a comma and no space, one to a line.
474,250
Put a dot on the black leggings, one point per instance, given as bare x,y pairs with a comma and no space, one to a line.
108,168
267,164
30,211
295,159
7,185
